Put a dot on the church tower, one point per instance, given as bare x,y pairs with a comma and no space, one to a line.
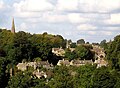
67,44
13,26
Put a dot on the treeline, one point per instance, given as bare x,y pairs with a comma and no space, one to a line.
21,45
113,52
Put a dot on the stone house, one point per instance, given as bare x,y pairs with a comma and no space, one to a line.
32,64
22,66
35,65
74,62
44,64
101,62
40,74
99,52
80,62
63,62
58,51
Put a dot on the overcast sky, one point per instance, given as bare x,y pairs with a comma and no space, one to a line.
92,20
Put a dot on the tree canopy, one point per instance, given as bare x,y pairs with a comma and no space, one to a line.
113,52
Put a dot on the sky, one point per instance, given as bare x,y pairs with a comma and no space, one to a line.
92,20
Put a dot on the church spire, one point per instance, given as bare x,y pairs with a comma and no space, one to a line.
13,26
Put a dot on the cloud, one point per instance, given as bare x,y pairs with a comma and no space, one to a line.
99,6
114,19
71,18
1,4
31,8
54,18
111,28
67,5
34,5
86,27
23,27
108,5
76,18
89,6
106,33
92,32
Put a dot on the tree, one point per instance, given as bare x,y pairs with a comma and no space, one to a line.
80,41
84,76
103,44
70,55
113,52
21,80
2,53
87,43
22,46
4,76
26,80
44,50
73,45
103,41
117,76
69,41
102,78
64,43
61,78
84,53
57,41
6,40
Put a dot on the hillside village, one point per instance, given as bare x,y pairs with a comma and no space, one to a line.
99,61
60,52
50,60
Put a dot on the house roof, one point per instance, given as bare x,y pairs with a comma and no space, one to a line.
43,63
21,65
82,61
31,63
65,62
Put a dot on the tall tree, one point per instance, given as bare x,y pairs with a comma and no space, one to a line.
81,41
22,46
102,78
103,44
113,52
70,55
4,75
84,52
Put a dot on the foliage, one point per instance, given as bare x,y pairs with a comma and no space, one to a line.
64,43
73,45
84,52
4,76
2,53
81,41
103,78
61,78
26,80
20,80
103,44
85,76
113,52
70,54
